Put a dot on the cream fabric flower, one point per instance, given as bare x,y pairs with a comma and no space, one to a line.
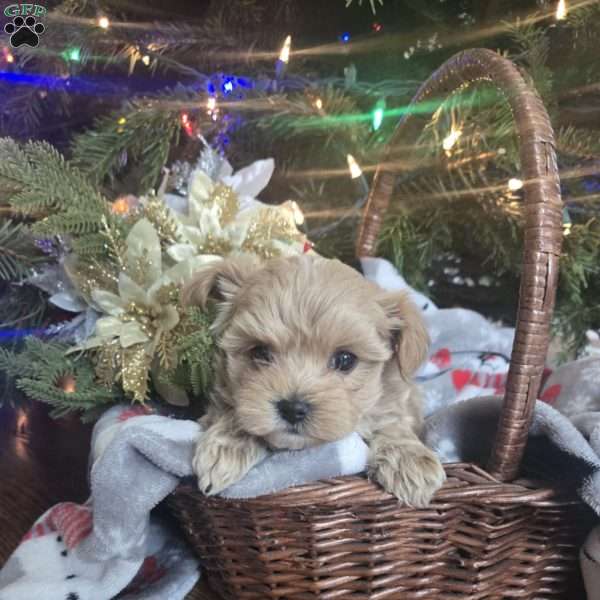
142,290
146,306
224,216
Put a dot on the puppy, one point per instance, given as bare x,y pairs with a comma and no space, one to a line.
310,351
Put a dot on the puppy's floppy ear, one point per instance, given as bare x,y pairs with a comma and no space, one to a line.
219,280
408,331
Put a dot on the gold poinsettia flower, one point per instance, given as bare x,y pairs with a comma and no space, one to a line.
224,217
138,319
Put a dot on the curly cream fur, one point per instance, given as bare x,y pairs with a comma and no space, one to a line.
304,309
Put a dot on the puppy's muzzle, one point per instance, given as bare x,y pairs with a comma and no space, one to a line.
293,410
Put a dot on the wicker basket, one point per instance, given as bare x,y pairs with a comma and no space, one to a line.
481,537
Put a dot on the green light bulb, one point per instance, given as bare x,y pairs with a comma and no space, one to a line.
72,54
378,114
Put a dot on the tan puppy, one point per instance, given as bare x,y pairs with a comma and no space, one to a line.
310,351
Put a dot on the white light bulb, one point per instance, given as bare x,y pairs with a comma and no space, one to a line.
103,22
451,139
514,184
355,170
561,10
284,55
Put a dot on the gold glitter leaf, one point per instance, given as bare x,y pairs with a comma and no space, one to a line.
134,372
270,224
227,201
93,275
115,245
216,246
138,267
107,363
166,351
158,214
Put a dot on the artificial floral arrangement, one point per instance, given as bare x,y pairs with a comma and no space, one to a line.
117,269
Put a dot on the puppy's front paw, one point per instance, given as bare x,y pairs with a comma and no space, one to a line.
412,472
219,464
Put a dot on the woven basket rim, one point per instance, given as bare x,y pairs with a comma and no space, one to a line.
466,482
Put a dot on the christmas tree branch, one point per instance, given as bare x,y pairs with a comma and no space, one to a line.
578,142
36,180
44,373
17,252
142,133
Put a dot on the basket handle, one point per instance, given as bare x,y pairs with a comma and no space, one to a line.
542,236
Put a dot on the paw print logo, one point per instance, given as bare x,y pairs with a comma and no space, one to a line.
24,31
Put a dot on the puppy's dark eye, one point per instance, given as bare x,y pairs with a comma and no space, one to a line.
343,361
261,354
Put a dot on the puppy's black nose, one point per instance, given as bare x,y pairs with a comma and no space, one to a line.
294,410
